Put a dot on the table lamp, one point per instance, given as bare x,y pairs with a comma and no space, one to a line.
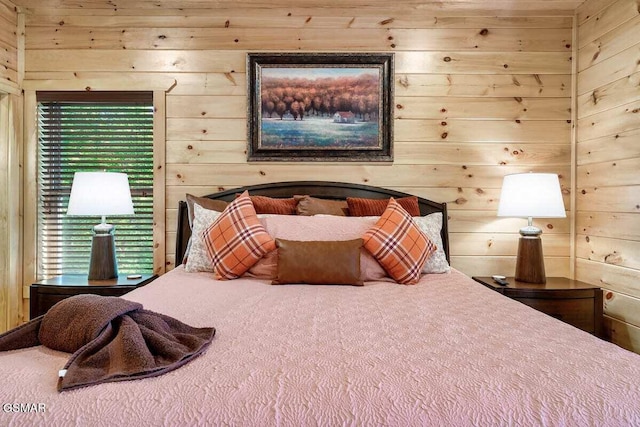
531,195
101,194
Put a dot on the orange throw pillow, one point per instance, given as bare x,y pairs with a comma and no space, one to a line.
398,244
374,207
237,240
271,205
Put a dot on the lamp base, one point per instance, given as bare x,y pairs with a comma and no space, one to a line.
530,263
103,264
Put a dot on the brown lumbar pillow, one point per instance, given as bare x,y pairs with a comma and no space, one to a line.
310,206
319,263
205,202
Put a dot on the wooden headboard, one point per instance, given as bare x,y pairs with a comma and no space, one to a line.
320,189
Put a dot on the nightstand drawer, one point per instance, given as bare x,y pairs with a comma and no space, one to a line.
42,298
41,303
46,293
578,312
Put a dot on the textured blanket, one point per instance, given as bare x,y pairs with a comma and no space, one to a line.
111,339
444,352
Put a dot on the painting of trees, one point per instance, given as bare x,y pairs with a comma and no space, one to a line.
304,95
320,106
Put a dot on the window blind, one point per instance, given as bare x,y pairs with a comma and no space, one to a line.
93,131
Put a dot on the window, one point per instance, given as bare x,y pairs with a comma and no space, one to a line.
93,131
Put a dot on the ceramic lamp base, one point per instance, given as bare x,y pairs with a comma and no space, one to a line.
103,264
530,263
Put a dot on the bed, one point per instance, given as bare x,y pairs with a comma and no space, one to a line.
445,351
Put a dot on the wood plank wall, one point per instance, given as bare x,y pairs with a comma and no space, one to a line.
477,97
10,169
608,161
8,45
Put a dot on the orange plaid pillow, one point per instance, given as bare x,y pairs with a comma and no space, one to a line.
237,240
398,244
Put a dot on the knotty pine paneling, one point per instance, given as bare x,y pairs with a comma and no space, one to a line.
515,108
483,85
615,94
9,13
484,39
609,44
590,9
470,221
206,152
614,278
503,244
307,17
626,63
8,45
5,248
609,199
622,252
453,8
230,61
623,145
618,225
11,307
607,241
610,122
620,333
608,20
476,97
609,174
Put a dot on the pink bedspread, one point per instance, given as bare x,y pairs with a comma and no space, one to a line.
444,352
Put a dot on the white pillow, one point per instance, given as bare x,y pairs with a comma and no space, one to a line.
431,225
198,258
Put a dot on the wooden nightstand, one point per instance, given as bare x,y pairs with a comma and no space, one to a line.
45,293
576,303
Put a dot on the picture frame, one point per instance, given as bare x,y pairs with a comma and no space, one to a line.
320,107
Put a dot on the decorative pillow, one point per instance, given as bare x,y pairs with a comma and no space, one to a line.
317,228
431,225
205,202
375,207
398,244
270,205
321,263
237,239
198,259
308,206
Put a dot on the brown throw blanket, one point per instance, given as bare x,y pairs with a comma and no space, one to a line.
111,339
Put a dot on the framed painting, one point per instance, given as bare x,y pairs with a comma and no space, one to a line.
320,107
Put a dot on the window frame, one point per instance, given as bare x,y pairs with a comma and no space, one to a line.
57,108
30,233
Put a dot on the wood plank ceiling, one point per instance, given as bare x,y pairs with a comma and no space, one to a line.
461,7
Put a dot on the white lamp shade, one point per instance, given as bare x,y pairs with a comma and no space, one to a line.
535,195
100,194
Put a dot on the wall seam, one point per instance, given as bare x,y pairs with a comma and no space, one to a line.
574,160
